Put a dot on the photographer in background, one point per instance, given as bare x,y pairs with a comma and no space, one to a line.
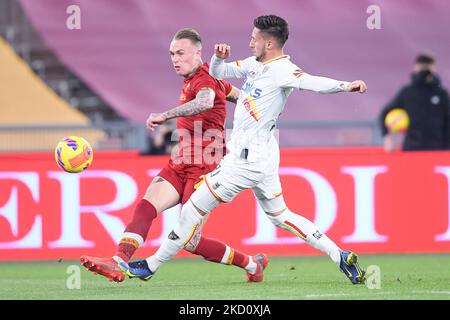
428,107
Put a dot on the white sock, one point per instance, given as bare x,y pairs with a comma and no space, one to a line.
251,266
228,257
306,230
188,224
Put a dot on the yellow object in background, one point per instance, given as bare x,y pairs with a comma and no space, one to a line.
397,121
73,154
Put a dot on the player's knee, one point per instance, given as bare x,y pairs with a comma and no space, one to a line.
203,200
160,203
187,227
274,209
277,218
153,202
189,213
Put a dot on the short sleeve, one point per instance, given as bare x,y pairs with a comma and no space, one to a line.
228,87
204,81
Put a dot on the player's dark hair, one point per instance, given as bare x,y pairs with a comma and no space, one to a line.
190,34
273,26
424,59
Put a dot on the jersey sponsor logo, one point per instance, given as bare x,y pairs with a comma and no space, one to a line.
256,92
247,87
251,90
250,105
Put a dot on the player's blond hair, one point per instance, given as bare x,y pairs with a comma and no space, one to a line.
188,33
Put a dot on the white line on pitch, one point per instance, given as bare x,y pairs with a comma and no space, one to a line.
432,292
343,294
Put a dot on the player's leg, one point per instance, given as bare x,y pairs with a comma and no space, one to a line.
268,192
221,185
280,215
214,250
161,194
192,216
305,229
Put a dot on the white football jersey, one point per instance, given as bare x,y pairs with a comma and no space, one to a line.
263,97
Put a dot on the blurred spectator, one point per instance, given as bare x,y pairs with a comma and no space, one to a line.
163,139
427,105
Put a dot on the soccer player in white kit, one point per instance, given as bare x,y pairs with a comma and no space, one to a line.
254,156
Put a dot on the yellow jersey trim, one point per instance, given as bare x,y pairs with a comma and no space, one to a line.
275,59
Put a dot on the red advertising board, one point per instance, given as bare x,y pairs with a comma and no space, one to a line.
364,199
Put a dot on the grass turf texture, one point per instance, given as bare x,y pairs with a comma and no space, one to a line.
402,277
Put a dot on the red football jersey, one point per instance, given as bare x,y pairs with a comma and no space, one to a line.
206,128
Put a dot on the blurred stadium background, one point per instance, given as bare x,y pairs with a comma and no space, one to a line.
102,81
112,73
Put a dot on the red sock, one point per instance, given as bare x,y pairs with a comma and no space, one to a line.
215,251
240,259
143,217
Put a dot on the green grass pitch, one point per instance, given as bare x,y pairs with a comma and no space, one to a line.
287,278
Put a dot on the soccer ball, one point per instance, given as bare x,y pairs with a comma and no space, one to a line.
73,154
397,121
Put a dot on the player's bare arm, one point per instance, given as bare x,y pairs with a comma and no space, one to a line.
233,96
204,100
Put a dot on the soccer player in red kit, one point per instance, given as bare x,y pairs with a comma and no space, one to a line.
200,124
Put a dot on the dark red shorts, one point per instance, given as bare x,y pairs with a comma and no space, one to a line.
184,177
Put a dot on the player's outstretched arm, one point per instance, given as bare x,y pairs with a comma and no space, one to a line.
222,70
204,100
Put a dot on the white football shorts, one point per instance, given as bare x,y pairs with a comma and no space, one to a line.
235,174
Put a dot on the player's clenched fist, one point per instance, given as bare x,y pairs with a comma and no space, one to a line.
154,120
222,50
357,86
